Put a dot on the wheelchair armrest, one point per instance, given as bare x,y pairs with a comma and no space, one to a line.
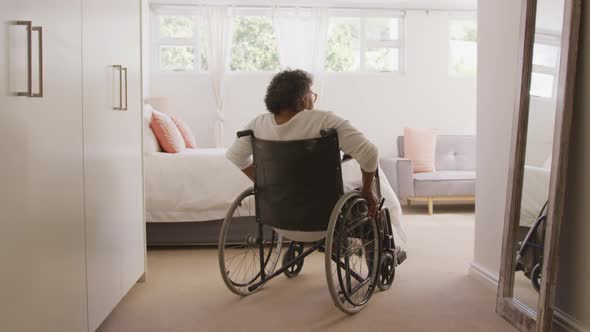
245,133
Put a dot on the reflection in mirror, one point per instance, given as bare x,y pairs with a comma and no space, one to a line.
539,145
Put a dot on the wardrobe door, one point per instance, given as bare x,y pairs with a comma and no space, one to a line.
112,152
42,249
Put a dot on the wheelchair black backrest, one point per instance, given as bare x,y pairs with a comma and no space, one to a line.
297,183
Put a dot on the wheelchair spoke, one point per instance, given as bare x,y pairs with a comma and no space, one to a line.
239,246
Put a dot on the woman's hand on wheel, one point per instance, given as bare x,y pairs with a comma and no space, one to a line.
371,202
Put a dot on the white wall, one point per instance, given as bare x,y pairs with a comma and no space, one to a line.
498,26
379,104
145,47
540,130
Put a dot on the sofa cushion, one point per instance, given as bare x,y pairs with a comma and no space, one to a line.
444,183
455,153
419,147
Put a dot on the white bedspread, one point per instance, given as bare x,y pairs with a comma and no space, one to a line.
194,185
201,184
535,192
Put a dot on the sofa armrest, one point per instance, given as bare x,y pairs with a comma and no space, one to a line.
400,174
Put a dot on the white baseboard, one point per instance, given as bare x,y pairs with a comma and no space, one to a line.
567,322
481,273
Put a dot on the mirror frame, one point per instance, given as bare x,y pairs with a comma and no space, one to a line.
519,315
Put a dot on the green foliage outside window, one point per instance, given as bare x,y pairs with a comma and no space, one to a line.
177,57
177,27
340,54
463,47
464,30
254,46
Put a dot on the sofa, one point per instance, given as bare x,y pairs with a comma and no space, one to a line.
452,180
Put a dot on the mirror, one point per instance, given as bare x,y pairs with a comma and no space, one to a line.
542,121
538,148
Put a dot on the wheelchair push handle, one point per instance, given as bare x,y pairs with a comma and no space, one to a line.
328,132
243,133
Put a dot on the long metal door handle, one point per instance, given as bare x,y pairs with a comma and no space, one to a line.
40,93
120,69
27,93
125,70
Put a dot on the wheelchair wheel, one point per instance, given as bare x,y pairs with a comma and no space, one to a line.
536,277
239,246
294,251
386,273
351,258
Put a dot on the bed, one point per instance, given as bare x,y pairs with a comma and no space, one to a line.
187,195
535,192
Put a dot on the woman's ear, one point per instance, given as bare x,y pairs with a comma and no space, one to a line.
302,104
306,102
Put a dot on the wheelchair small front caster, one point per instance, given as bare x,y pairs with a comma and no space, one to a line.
294,251
386,271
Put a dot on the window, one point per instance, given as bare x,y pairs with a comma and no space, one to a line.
463,47
179,42
364,43
254,45
545,64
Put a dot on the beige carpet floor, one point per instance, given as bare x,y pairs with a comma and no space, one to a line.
432,292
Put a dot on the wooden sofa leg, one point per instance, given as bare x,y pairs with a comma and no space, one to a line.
409,202
430,206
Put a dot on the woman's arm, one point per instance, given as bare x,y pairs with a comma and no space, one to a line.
240,153
249,171
355,144
367,191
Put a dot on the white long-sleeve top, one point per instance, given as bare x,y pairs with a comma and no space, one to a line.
306,125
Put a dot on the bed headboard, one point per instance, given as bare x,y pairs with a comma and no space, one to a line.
158,103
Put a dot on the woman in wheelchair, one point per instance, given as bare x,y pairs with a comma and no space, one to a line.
292,154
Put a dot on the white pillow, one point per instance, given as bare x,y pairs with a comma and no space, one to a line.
150,143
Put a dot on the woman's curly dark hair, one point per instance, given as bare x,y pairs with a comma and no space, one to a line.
287,89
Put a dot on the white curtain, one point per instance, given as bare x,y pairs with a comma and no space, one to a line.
302,35
218,48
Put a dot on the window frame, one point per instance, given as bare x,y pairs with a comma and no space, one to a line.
157,42
550,39
365,44
470,16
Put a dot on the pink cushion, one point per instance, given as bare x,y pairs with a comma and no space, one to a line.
419,147
186,132
167,133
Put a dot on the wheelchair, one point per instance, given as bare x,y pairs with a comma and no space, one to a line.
529,255
298,187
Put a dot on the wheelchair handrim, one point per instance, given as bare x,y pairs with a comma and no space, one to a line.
332,287
369,292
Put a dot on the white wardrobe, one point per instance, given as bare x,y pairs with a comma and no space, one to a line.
72,238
